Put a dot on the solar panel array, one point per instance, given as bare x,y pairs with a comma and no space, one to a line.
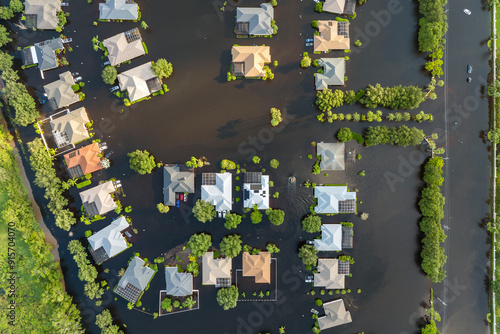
223,282
132,35
208,179
344,267
343,29
253,177
347,206
130,293
61,138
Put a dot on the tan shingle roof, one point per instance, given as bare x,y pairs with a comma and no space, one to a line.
120,50
215,268
258,266
335,315
328,275
45,11
73,123
329,39
135,81
253,59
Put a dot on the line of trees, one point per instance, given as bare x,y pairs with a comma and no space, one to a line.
433,27
45,177
400,136
377,116
432,207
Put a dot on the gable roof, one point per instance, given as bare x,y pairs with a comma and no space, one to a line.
328,274
45,12
215,268
110,238
333,35
332,156
73,124
258,266
136,274
259,19
331,238
333,73
330,198
118,10
178,284
220,192
86,157
60,92
249,61
256,193
124,46
335,315
100,196
139,81
175,181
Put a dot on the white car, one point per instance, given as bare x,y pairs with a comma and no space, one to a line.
114,89
219,214
466,11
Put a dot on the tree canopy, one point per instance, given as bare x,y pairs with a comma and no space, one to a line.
276,216
199,244
232,220
227,164
230,245
311,223
16,6
309,255
204,211
327,99
400,136
109,75
141,161
228,297
162,68
397,97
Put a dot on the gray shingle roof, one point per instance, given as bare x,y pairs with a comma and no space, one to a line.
332,156
329,198
333,73
60,92
43,54
45,12
328,275
335,315
331,238
110,237
259,19
118,10
136,274
175,181
121,48
178,284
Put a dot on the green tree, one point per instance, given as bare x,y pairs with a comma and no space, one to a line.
276,216
306,61
6,13
256,216
204,211
309,255
16,6
189,302
256,159
344,135
274,163
272,248
5,61
166,304
494,136
22,102
109,75
93,290
230,245
162,68
326,99
227,164
103,319
199,244
311,224
275,117
141,161
144,25
228,297
232,220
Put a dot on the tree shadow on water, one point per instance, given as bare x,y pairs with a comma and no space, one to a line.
228,130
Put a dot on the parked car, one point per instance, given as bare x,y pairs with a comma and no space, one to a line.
469,68
466,11
185,197
181,197
309,40
128,234
177,203
314,311
114,89
309,44
224,214
219,214
75,74
78,79
469,79
106,63
309,279
310,242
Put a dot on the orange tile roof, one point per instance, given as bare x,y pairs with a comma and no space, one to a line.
87,157
258,266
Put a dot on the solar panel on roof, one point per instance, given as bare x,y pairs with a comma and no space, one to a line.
61,138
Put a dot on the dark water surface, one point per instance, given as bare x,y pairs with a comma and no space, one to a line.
203,115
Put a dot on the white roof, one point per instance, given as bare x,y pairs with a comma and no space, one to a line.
215,268
328,274
110,237
118,10
220,193
135,81
331,238
330,196
259,197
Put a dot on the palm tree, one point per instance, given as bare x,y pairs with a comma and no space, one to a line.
144,25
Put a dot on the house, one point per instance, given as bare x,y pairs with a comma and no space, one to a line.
109,241
347,7
216,189
256,191
335,315
178,284
124,46
60,93
83,161
328,275
139,82
216,271
255,21
135,280
176,181
42,14
331,238
333,73
332,155
333,35
98,200
334,199
249,61
70,128
258,266
43,54
119,10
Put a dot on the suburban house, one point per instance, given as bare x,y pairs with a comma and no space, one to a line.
60,93
331,273
70,128
43,54
98,200
216,189
258,266
255,21
109,241
216,271
331,238
333,73
346,7
135,280
256,191
334,199
139,82
118,10
333,35
42,14
176,181
178,284
332,155
124,46
335,315
249,61
83,161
